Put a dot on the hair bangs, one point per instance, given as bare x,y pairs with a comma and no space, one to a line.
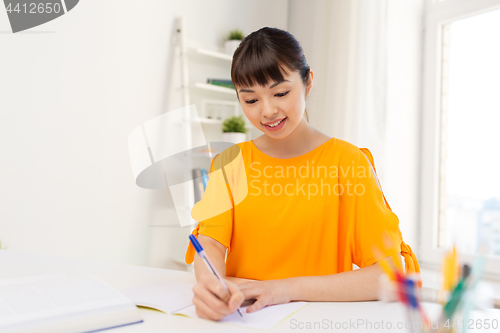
257,65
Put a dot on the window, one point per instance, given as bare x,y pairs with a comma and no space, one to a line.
461,131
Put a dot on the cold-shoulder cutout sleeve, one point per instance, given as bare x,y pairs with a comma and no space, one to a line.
375,232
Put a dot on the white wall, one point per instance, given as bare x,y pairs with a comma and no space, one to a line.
71,91
404,25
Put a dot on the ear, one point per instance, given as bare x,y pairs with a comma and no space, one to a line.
309,82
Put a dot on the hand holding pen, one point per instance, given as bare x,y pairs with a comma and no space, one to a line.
207,306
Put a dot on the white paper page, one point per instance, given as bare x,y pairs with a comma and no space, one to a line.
30,278
34,300
263,319
163,295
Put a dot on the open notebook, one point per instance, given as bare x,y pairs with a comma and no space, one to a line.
58,303
175,298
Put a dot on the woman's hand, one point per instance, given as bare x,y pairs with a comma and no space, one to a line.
208,306
266,293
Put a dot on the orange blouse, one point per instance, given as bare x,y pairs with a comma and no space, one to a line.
314,214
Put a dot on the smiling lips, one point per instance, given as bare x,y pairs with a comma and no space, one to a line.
275,123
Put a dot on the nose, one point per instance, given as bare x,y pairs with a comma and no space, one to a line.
268,109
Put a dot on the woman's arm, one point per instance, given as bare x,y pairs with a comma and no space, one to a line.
358,285
215,251
217,254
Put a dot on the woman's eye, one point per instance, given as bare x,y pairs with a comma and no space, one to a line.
278,95
282,94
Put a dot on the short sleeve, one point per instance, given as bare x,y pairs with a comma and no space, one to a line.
214,212
375,228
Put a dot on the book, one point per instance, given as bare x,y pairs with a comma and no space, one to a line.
175,298
204,176
199,188
59,303
221,83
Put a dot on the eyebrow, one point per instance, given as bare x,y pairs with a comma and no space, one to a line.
270,87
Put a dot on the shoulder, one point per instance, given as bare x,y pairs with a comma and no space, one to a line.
230,153
345,149
350,154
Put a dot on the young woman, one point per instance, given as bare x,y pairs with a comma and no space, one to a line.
293,209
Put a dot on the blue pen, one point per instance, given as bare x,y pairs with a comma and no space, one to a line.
204,257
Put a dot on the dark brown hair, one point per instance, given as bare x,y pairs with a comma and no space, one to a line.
262,56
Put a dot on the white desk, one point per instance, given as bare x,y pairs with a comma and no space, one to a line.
15,264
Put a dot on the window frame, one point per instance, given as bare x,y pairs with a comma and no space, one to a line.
437,14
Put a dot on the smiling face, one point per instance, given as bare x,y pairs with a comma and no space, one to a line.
278,108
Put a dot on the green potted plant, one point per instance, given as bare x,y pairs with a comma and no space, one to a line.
233,40
233,129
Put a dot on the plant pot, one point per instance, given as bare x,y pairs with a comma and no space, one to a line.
231,45
234,137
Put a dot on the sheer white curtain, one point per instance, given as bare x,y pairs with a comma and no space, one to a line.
345,45
366,56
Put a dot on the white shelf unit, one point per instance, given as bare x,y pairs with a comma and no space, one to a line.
196,92
215,88
210,53
189,50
